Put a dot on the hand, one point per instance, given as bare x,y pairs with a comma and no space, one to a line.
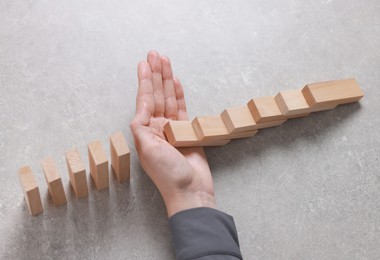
182,176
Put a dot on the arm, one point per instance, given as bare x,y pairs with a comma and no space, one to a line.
204,232
182,176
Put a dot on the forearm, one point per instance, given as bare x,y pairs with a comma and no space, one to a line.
202,233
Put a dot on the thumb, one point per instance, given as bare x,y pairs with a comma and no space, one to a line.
139,124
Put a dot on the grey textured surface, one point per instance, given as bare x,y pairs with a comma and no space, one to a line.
309,189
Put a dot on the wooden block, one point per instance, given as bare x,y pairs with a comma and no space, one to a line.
120,157
30,189
238,119
77,173
215,143
98,164
330,93
323,108
270,124
265,109
243,134
292,103
210,128
203,143
182,134
53,181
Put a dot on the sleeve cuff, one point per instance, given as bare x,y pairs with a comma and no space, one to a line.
203,232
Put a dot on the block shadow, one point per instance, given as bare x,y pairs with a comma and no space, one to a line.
311,129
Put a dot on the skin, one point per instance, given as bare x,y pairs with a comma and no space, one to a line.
182,175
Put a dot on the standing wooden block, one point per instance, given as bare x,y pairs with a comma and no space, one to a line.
98,164
120,157
292,103
182,134
30,189
330,93
265,109
53,181
238,119
77,173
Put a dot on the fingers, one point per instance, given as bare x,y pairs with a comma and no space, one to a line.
154,61
171,110
145,105
159,91
180,97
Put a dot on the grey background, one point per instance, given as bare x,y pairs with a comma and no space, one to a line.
308,189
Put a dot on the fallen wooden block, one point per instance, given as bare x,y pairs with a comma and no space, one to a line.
292,103
238,119
323,108
182,134
330,93
263,112
120,157
243,134
30,189
213,143
265,109
98,164
53,181
212,128
77,173
270,124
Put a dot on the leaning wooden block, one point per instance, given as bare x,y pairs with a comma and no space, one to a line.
243,134
265,109
77,173
203,143
213,143
323,108
30,189
120,157
53,181
292,103
182,134
238,119
206,143
209,128
98,164
330,93
270,124
212,128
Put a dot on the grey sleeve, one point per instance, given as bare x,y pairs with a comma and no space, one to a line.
204,234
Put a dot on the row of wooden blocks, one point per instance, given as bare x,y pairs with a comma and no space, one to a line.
245,121
98,162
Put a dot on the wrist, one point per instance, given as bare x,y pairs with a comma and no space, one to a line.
188,200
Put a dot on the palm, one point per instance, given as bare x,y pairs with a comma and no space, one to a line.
160,98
